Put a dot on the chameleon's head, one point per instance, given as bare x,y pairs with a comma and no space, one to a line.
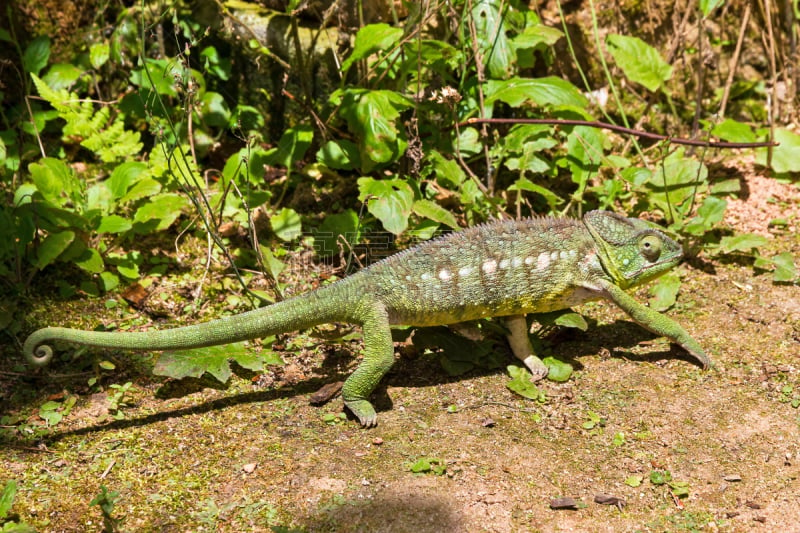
632,251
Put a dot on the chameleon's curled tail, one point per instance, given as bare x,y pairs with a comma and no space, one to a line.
328,304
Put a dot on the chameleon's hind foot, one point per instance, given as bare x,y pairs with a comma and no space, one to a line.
364,411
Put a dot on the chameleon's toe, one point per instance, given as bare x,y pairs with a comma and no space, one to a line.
364,411
538,369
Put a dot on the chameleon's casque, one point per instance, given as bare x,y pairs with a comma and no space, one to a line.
500,269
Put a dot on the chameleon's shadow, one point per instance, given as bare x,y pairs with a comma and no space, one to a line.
423,371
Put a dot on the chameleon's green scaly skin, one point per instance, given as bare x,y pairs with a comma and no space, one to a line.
501,269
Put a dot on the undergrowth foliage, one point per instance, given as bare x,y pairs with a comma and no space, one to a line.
124,141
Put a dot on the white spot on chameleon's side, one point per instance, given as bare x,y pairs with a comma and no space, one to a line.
504,263
489,266
426,276
554,256
529,260
464,271
563,254
516,262
543,261
445,275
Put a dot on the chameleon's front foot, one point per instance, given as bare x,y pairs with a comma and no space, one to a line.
364,411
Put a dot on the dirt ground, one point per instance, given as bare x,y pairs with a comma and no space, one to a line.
250,458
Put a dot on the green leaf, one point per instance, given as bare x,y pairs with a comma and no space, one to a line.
524,184
51,247
335,230
660,477
36,55
370,39
293,145
570,319
548,91
163,209
389,201
521,384
490,32
213,359
99,54
446,171
741,243
371,115
90,261
785,269
7,498
286,224
435,212
558,371
633,481
665,292
215,110
676,182
707,6
56,181
113,224
711,212
339,154
733,131
62,76
124,176
784,156
640,62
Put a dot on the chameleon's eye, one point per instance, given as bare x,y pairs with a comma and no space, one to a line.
650,247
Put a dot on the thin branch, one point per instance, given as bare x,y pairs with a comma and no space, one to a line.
618,129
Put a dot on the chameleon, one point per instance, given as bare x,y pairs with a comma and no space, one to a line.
503,269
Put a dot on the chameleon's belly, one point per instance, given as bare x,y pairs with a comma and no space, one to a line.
452,313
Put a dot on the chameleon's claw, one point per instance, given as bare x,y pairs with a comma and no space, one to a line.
364,411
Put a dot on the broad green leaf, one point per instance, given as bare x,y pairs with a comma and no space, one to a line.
113,224
62,76
640,62
124,176
213,359
56,181
109,280
370,39
90,261
711,212
160,75
215,63
733,131
524,184
446,171
272,264
340,229
584,152
521,384
675,182
141,189
435,212
557,371
36,55
99,54
785,156
339,154
51,247
741,243
286,224
548,91
164,208
665,292
571,319
785,269
389,201
491,33
215,110
372,116
7,498
293,145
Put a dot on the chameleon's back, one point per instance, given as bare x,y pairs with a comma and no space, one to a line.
497,269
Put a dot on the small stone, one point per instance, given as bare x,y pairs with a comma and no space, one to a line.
249,468
564,503
377,441
732,478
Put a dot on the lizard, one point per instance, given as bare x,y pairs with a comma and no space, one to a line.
501,269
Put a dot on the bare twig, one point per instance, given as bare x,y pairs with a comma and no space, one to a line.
734,61
618,129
